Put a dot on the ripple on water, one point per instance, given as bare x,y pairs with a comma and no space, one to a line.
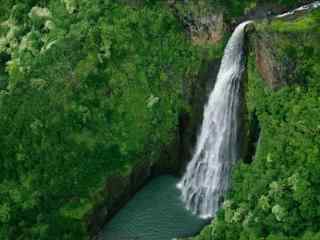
154,213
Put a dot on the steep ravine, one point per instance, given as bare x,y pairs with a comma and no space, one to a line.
119,189
173,161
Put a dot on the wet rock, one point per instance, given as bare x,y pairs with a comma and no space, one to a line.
267,64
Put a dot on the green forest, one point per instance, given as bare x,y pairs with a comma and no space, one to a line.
88,89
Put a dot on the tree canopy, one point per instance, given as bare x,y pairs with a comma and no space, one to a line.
88,88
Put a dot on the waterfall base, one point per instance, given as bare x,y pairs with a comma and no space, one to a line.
154,213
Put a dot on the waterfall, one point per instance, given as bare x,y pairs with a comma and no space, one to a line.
207,175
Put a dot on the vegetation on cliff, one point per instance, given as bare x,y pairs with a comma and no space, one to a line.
276,197
90,88
87,89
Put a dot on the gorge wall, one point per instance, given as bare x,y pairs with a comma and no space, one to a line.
120,188
271,65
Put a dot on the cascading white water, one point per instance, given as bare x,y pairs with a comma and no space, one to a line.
207,175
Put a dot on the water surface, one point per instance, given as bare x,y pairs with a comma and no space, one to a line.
154,213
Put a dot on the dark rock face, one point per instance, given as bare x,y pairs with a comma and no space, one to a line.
268,62
273,60
267,65
252,137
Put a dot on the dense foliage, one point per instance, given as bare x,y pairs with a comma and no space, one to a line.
276,197
87,89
